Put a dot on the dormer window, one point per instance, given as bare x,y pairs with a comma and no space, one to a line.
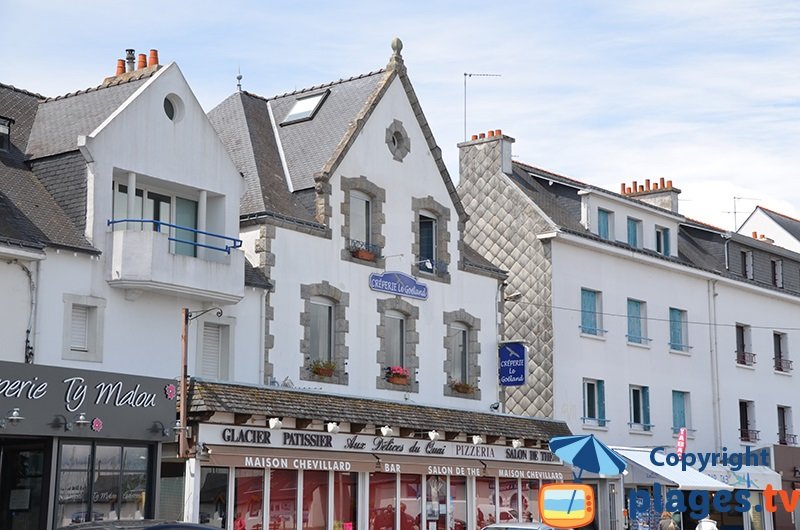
5,133
305,108
662,240
605,224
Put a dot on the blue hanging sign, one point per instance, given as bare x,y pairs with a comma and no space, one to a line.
512,364
398,283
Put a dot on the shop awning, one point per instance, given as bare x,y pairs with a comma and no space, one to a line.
689,479
746,478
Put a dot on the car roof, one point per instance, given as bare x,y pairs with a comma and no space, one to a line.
140,524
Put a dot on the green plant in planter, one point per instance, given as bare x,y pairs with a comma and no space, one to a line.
322,368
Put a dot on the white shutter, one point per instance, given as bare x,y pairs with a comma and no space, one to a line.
79,328
212,351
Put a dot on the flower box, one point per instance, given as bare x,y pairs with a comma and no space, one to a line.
462,388
364,254
323,368
398,379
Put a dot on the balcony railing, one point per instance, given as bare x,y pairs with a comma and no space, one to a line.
638,339
748,435
224,246
636,426
599,422
674,346
363,250
785,438
589,330
745,358
782,365
677,430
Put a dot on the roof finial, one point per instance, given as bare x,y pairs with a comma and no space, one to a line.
239,80
397,58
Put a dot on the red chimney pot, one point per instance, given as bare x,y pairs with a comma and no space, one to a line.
647,184
622,189
153,60
142,62
120,67
474,137
661,183
482,135
490,134
669,184
498,132
627,191
635,187
755,235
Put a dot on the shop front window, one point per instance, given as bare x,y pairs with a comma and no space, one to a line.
249,486
214,496
345,501
530,500
382,501
436,497
509,500
315,500
101,483
458,503
756,515
410,502
485,501
282,499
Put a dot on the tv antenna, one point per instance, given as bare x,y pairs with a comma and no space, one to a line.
466,75
735,209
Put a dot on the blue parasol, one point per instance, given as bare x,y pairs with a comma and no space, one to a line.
587,453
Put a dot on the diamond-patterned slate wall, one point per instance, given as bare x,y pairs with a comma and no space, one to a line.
502,227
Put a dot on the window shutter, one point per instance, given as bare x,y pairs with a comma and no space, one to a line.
666,242
675,329
646,407
634,321
79,328
749,261
588,311
632,233
779,273
212,351
602,224
678,410
601,403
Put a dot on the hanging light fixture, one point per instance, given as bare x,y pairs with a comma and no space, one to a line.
386,431
14,417
332,427
477,439
433,435
275,423
516,443
81,420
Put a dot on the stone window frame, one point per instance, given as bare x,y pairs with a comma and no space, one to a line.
397,140
423,205
411,313
340,354
377,196
473,325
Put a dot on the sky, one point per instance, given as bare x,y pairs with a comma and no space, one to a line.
703,93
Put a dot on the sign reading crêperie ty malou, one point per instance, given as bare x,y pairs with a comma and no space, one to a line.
512,363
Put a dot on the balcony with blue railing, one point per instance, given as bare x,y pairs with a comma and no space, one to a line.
152,255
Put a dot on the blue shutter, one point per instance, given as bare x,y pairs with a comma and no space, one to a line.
632,233
666,242
634,321
601,403
675,329
678,410
589,312
602,223
646,407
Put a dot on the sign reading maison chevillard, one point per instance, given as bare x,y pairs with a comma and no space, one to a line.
398,283
359,443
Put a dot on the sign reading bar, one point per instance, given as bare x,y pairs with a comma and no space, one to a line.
398,283
512,364
365,444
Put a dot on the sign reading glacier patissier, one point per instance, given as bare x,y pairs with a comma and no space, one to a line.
360,443
398,283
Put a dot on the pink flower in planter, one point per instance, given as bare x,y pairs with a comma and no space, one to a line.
170,391
97,425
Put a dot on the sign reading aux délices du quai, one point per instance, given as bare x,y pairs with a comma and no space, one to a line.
116,405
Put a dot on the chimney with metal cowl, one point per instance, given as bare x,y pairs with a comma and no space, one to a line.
661,193
132,67
130,58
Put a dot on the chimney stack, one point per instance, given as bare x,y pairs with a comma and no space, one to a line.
130,58
660,193
487,142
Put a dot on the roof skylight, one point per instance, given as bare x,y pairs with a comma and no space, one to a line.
305,108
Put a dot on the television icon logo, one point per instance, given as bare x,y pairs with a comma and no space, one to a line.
566,505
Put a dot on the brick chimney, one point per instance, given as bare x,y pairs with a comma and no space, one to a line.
128,68
661,193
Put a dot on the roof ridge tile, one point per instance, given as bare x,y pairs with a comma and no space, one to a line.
118,82
315,87
22,91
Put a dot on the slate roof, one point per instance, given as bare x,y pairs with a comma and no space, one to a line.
61,120
790,224
254,277
29,215
473,260
208,396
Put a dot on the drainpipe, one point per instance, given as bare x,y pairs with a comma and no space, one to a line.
714,357
727,238
261,337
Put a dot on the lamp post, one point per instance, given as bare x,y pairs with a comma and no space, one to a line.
187,316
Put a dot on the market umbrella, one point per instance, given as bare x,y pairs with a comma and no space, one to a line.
587,453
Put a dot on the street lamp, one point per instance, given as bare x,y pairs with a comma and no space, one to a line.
188,316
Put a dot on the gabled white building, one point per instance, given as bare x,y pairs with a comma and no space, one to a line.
121,207
639,321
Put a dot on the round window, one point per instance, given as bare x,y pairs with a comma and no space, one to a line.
169,109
